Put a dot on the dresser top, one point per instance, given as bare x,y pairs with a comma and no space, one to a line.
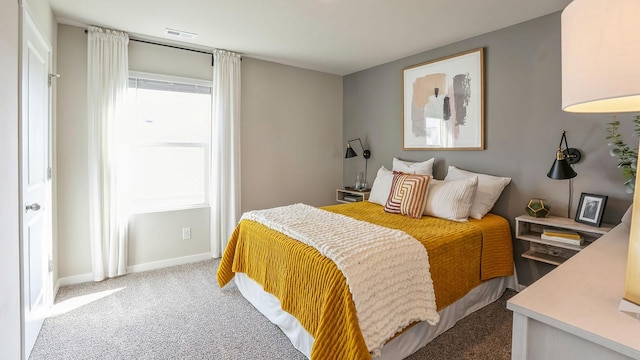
582,296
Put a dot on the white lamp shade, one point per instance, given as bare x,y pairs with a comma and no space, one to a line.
601,56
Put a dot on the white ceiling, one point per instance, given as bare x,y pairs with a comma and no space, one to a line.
334,36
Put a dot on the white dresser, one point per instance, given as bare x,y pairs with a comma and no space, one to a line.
572,312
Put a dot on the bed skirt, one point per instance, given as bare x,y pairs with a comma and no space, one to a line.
401,346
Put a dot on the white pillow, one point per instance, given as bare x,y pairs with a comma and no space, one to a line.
381,186
489,189
451,200
414,168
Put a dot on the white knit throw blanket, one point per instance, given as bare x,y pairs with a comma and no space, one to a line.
387,270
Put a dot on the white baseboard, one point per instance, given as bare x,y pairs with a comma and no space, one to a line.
72,280
77,279
169,262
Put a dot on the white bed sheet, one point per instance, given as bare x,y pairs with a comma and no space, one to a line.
400,347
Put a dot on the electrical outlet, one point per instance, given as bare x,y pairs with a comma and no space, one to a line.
186,233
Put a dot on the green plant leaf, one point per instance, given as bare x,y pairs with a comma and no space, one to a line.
627,157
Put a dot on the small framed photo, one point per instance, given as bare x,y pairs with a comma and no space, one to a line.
590,209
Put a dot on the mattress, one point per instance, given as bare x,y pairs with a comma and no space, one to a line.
401,346
462,257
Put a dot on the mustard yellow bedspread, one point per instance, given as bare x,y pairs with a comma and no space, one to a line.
311,288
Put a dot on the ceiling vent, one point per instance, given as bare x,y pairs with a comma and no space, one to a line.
180,34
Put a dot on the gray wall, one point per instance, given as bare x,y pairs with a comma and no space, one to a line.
9,235
291,135
291,130
72,205
523,126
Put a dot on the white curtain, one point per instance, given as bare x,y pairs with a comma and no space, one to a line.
225,154
107,78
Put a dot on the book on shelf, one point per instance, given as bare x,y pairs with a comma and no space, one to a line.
350,198
567,234
562,239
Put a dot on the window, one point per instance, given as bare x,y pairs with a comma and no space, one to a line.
165,140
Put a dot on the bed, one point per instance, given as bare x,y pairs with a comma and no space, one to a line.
306,295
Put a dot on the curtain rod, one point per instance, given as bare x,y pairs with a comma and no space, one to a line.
170,46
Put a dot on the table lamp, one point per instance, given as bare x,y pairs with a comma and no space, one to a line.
600,74
365,153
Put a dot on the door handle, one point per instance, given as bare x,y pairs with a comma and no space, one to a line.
32,207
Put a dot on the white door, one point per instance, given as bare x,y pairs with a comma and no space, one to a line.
35,194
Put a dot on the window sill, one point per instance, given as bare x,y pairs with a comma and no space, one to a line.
143,211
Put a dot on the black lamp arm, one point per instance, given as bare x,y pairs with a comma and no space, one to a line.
563,138
572,155
365,153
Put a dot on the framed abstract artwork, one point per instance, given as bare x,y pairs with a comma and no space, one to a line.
443,103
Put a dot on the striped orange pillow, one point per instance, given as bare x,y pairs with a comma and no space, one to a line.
408,193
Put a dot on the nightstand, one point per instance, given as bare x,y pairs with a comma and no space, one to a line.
348,195
529,228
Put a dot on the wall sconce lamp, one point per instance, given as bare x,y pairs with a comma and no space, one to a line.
561,168
600,74
366,154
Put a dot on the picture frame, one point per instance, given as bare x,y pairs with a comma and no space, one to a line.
590,209
443,103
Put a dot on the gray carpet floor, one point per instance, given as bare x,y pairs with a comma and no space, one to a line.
181,313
